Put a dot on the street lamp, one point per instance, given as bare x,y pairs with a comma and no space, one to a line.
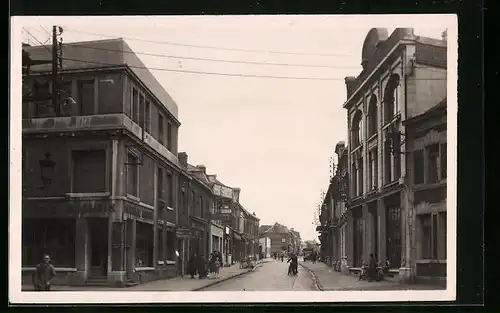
47,169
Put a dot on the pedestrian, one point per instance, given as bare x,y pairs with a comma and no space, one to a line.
282,257
218,265
43,275
192,266
294,263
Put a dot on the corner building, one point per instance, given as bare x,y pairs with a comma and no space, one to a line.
100,175
403,76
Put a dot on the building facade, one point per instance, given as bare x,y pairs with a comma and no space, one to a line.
280,236
427,167
403,76
94,196
333,217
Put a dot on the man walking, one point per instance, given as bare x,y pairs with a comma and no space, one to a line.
43,275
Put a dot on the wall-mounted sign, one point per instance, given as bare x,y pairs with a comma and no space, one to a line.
223,191
227,230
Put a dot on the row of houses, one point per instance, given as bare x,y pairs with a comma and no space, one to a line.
105,190
278,239
388,193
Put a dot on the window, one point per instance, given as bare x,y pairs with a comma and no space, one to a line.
86,99
169,136
360,176
183,203
373,170
432,163
170,246
55,236
443,161
391,98
418,167
135,105
144,245
354,179
89,171
170,182
147,124
160,129
132,175
160,183
191,204
372,115
388,161
201,207
142,119
356,129
433,236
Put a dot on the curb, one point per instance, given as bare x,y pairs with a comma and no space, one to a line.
317,282
227,278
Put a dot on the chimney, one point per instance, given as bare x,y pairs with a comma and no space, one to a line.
350,82
183,158
444,35
202,168
236,194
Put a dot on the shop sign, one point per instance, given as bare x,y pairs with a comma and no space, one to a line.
216,231
223,191
139,212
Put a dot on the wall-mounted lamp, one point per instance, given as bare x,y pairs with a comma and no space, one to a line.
47,169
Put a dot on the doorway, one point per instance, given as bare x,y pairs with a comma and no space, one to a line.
98,231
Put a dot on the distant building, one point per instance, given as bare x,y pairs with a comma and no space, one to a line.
280,236
265,247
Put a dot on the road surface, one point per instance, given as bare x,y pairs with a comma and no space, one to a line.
270,276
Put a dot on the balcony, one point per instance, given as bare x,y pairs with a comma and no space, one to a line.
94,122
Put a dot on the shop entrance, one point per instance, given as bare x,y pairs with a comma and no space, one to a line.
98,231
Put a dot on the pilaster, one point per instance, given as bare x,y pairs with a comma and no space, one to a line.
381,216
81,249
349,237
131,244
367,227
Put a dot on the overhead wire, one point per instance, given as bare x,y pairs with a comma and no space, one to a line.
208,47
201,72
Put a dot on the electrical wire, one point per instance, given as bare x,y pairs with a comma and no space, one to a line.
212,60
204,72
206,47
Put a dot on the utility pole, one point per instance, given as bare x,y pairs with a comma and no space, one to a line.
55,81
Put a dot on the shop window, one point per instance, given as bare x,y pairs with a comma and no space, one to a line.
144,245
86,96
418,167
430,233
89,171
432,163
132,175
171,239
55,236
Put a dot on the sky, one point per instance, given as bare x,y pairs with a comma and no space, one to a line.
271,137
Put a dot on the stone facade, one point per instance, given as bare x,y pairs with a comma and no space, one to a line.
403,76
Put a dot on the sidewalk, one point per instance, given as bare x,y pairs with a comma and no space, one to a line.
327,279
174,284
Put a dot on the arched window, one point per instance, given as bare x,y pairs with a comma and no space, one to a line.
372,116
357,129
391,97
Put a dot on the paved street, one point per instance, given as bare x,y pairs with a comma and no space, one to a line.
271,276
328,280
